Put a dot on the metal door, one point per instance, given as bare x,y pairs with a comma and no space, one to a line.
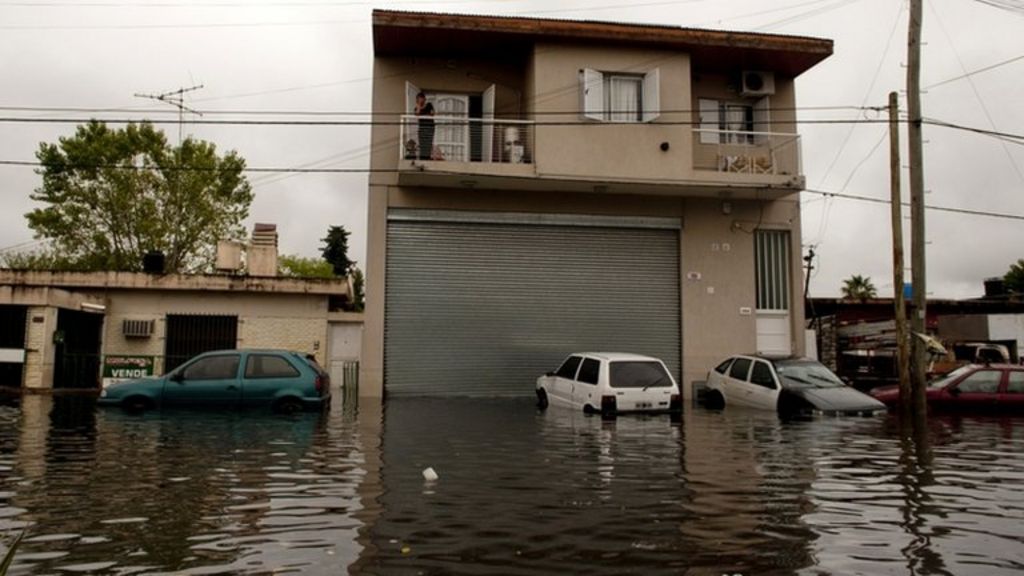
483,304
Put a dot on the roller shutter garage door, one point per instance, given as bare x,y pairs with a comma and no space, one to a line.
481,306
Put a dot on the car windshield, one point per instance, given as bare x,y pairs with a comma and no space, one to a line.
639,374
806,374
949,378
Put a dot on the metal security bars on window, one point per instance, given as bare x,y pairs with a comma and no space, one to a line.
772,262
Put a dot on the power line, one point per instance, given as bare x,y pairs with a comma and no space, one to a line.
301,123
16,120
977,94
933,208
973,72
243,112
297,170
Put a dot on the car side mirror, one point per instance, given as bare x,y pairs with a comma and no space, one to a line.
177,377
954,391
550,374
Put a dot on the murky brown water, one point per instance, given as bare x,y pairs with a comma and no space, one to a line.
520,492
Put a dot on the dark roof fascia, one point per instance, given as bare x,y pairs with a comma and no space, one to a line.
810,50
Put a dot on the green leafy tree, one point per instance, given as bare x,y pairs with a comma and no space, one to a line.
37,260
111,195
335,250
1014,278
859,287
358,293
301,267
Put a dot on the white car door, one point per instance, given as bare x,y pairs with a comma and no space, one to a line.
561,390
585,388
763,389
736,386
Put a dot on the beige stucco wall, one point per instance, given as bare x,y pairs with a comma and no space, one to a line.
292,321
613,151
719,247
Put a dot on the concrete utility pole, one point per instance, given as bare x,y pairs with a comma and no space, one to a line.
900,310
917,255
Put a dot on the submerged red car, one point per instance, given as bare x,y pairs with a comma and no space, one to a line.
971,388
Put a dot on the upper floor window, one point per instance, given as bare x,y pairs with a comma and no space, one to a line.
728,122
620,97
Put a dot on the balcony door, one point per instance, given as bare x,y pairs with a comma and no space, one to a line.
464,124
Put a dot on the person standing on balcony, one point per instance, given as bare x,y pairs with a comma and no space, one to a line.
425,117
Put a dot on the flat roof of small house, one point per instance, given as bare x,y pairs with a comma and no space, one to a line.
173,282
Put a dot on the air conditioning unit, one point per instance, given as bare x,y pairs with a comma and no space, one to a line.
757,83
137,328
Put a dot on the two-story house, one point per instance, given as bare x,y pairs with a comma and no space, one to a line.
540,187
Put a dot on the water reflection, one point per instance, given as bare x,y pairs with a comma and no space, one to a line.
520,492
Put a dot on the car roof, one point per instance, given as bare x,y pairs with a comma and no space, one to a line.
771,357
252,351
616,356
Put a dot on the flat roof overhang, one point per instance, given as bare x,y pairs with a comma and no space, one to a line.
397,33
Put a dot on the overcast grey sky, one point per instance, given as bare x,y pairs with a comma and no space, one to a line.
316,55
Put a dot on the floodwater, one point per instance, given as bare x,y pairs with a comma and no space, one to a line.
520,492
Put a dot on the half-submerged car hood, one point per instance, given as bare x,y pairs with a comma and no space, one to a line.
838,399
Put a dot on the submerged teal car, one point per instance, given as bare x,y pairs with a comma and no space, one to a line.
279,379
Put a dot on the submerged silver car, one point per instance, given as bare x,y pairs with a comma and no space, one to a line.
791,386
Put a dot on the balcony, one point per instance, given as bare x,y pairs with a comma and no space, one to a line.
746,157
453,147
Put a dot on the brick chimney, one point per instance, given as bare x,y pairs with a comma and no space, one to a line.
262,254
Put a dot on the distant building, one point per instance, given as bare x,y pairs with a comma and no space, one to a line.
575,186
62,330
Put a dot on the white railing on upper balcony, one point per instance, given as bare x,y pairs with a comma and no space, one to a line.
463,139
747,152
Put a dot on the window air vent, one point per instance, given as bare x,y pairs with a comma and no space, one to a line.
137,328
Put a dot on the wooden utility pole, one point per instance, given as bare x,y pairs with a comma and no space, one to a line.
917,252
900,310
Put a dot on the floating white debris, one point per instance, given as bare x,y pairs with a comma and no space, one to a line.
429,475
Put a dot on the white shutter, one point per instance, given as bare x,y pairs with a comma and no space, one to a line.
487,132
410,135
762,120
411,90
652,95
592,94
709,121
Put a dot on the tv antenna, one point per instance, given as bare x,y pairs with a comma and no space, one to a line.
176,98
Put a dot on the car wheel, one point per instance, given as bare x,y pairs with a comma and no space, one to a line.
136,404
714,400
542,399
288,406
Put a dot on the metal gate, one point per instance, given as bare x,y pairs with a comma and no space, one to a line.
480,305
189,335
77,345
12,343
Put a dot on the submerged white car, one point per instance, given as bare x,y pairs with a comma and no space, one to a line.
610,383
791,386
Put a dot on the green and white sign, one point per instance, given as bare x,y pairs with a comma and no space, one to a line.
118,368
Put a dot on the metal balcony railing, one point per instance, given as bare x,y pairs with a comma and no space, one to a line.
463,139
747,152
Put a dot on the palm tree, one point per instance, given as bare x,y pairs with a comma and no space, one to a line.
859,287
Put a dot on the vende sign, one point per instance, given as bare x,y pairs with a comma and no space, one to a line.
118,368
